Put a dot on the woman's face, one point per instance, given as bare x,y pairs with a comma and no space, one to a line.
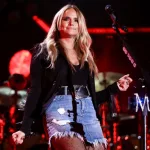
69,24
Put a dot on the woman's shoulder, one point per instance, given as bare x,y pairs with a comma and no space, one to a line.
36,48
39,50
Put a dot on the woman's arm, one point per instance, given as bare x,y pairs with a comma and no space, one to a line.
35,91
104,95
121,85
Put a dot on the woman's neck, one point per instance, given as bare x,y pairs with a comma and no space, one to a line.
67,43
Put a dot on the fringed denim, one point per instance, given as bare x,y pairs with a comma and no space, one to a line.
60,123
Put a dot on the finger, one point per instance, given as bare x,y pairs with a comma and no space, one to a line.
124,77
130,79
122,81
127,75
19,139
14,137
23,137
127,83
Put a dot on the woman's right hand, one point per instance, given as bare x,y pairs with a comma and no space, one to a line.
18,137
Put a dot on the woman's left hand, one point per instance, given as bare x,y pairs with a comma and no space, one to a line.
124,82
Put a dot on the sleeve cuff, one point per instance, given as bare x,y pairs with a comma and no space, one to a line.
113,88
26,125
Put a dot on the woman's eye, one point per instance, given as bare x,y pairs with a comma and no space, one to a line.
76,20
65,18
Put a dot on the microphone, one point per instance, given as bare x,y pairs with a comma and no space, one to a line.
110,11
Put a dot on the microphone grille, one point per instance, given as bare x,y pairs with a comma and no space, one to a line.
109,9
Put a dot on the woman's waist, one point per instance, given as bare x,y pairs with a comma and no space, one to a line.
79,91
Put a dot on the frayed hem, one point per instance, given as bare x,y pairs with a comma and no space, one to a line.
65,134
99,141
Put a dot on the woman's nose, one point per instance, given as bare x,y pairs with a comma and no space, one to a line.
71,22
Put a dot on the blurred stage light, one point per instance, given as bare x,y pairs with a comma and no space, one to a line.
20,63
41,23
104,30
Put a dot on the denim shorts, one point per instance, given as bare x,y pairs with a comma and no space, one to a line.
60,122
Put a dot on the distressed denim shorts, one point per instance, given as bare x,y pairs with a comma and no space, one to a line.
60,123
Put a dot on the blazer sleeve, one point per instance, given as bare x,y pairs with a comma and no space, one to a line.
34,93
105,95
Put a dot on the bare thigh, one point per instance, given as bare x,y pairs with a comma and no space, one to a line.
67,143
73,143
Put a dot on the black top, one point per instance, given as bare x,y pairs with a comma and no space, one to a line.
45,82
79,76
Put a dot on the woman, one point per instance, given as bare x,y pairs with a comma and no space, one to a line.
62,86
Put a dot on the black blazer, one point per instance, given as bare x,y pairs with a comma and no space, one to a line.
45,83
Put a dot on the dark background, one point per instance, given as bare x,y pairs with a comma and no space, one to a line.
19,31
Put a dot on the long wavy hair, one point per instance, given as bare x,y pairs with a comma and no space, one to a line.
82,43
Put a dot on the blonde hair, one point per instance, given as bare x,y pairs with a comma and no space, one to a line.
82,42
